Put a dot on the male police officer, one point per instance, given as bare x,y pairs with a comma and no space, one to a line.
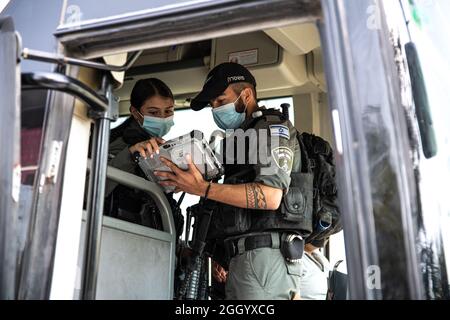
248,217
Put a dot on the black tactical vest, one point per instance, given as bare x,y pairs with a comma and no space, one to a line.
294,214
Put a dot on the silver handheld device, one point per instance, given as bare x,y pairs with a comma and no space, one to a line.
176,150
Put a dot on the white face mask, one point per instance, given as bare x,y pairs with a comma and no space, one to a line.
226,116
155,126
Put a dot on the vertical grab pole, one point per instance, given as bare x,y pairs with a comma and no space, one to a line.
10,159
97,179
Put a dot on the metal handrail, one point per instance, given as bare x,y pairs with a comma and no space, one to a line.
151,188
61,59
155,191
60,82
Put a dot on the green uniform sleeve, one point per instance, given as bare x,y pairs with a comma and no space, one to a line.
120,158
282,153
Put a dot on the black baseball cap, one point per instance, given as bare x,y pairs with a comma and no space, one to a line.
218,80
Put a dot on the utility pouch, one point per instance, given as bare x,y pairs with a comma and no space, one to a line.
297,204
291,247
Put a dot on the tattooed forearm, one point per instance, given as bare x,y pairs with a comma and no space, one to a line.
255,196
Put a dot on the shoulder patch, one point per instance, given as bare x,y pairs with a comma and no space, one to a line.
278,130
284,158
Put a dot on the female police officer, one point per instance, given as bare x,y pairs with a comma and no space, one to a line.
152,112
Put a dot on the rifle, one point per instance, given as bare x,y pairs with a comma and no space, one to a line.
195,282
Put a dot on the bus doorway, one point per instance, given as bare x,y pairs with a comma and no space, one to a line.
316,54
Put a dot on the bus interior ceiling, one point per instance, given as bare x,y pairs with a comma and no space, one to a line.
286,62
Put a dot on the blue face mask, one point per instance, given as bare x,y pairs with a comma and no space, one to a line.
226,116
157,127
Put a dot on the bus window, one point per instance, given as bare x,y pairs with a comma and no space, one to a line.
33,107
420,32
31,135
426,24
